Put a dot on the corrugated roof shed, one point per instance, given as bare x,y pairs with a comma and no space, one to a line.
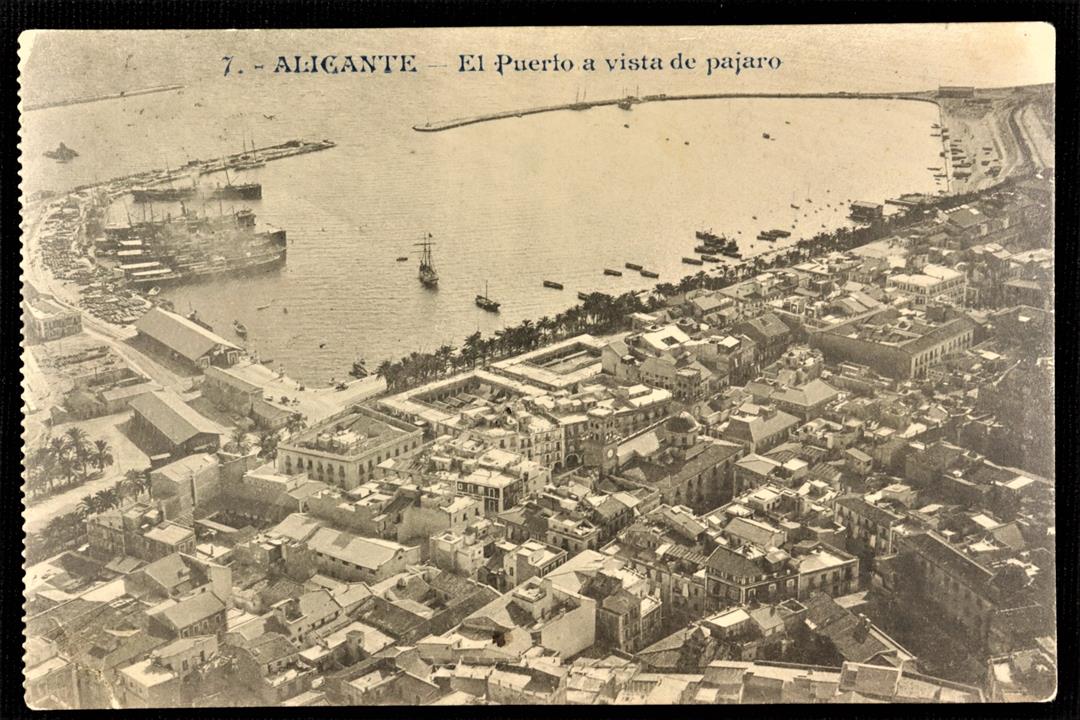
190,340
173,417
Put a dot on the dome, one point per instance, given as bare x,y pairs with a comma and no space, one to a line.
681,423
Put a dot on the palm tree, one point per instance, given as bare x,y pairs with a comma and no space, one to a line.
79,448
57,447
107,498
238,439
66,467
443,355
134,483
471,348
385,371
268,442
103,456
37,482
529,334
89,505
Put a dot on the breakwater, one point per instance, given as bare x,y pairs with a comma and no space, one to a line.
630,101
99,98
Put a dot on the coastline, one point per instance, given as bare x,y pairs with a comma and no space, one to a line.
760,255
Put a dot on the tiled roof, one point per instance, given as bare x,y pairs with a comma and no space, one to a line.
191,610
270,647
733,565
954,562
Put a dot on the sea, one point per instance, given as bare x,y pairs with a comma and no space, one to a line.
558,196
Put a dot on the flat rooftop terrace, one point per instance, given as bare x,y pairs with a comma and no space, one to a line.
557,366
352,433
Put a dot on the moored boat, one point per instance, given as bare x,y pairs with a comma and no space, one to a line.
553,285
613,273
632,266
239,328
692,261
359,369
649,274
486,303
428,276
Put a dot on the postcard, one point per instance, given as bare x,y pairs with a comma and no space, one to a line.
551,365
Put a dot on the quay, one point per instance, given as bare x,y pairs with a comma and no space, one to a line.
922,96
125,183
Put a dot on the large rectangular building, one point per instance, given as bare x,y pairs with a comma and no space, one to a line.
901,346
47,320
164,423
185,341
345,449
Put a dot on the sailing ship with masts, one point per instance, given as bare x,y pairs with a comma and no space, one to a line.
171,193
429,277
579,102
237,191
484,302
249,161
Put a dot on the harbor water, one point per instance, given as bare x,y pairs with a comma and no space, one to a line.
557,196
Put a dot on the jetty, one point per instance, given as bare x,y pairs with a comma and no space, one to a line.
921,96
98,98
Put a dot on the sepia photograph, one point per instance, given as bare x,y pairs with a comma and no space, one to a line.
684,365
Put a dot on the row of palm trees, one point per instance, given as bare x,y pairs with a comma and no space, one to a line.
65,461
69,528
132,485
600,313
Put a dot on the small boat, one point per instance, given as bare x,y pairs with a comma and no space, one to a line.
632,266
793,205
284,311
486,303
809,200
153,291
649,274
692,261
553,285
625,125
687,142
582,296
787,122
765,135
263,307
402,258
710,258
239,328
359,369
613,273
